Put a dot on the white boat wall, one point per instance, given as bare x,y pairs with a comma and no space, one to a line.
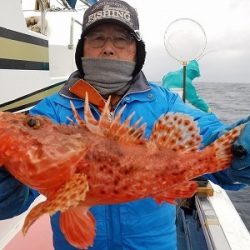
221,225
35,61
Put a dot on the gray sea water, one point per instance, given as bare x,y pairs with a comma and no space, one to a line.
230,102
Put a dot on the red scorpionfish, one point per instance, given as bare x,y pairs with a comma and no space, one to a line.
105,162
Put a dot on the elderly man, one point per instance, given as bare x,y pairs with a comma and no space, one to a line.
110,55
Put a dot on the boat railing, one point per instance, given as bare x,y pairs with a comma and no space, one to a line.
71,38
222,225
42,8
35,22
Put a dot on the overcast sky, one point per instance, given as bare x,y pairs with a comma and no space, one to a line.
227,27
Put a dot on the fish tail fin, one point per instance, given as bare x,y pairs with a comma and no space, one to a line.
78,226
222,147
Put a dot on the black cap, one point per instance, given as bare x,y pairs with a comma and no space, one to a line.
113,11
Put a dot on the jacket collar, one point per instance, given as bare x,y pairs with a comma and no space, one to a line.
76,88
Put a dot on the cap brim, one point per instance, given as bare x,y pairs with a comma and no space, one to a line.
110,20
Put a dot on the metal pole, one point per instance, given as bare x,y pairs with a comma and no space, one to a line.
184,81
42,7
72,23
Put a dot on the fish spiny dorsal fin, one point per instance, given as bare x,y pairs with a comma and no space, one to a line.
105,119
124,131
121,129
116,124
223,147
178,132
88,117
90,121
127,133
102,126
138,132
114,129
76,114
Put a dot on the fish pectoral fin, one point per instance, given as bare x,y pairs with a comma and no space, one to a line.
182,190
71,194
176,131
78,226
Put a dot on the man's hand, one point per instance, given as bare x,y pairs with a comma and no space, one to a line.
13,195
240,168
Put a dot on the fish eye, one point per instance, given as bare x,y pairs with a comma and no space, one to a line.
33,123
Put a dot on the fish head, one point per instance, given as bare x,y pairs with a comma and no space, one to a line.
33,147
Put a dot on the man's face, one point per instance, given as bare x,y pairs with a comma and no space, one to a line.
110,41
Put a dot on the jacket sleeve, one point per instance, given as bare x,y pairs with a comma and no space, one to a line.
15,197
46,107
57,109
194,98
211,128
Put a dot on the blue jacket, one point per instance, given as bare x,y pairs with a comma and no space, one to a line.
141,224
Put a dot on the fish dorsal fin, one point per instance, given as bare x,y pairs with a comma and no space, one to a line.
112,129
176,131
97,127
124,131
120,131
76,114
89,118
105,118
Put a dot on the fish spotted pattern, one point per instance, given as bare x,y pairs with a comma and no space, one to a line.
105,162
